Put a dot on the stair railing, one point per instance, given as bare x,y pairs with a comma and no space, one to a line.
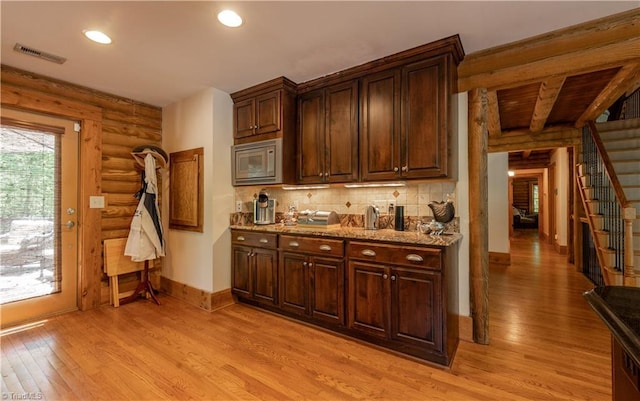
618,214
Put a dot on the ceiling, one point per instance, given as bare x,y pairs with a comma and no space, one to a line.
165,51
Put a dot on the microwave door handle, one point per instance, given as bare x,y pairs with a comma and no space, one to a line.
271,162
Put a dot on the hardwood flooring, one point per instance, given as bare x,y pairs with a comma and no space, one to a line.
546,344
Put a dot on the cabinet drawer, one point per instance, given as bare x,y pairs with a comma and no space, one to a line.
429,258
320,246
257,239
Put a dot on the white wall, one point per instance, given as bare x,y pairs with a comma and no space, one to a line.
462,197
193,258
561,159
499,211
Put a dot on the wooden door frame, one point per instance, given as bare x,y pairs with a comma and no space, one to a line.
551,179
89,183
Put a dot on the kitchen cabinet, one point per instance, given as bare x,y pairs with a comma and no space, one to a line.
265,111
403,124
396,294
312,278
254,266
328,134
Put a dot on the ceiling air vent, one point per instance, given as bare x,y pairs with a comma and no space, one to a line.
40,54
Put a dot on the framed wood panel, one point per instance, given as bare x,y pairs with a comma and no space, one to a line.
186,190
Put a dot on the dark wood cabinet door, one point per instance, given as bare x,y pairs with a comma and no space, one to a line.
268,113
380,126
341,132
327,289
265,275
311,138
294,283
368,309
416,316
423,121
243,118
241,275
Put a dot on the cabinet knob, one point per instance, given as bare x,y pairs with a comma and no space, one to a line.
412,257
395,169
385,276
393,278
249,254
405,168
304,264
326,174
320,175
310,265
368,252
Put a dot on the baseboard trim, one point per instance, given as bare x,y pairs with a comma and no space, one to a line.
465,327
196,297
499,258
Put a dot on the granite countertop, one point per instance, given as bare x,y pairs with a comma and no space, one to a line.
619,308
383,235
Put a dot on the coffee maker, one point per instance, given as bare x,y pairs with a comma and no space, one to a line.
264,209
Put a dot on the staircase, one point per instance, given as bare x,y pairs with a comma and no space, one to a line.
609,180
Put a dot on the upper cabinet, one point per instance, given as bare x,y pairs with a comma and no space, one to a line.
328,134
404,129
264,111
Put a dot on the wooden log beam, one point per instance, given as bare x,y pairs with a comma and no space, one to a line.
478,217
518,140
595,45
493,114
547,95
526,154
625,78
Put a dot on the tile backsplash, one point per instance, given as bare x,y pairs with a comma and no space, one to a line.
414,197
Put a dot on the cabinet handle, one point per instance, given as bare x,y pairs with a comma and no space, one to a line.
310,265
249,254
240,238
405,168
368,252
412,257
325,248
304,264
294,244
264,240
393,278
395,169
320,175
384,276
326,174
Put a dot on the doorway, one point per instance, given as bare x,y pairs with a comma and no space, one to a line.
38,211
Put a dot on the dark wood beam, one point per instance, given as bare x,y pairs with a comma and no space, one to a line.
549,90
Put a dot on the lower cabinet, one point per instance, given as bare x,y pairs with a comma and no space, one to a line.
312,277
255,262
400,297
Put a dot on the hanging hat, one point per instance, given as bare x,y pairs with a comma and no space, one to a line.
140,152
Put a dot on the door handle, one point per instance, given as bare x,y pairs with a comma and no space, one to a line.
70,224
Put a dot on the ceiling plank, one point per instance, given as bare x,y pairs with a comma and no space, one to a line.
526,154
596,34
557,137
547,96
625,78
571,63
493,114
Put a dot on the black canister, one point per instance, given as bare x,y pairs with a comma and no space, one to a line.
399,223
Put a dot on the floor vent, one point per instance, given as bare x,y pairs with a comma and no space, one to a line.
40,54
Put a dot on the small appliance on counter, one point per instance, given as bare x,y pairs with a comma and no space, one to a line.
264,209
371,217
318,219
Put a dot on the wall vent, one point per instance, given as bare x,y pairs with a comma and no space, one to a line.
37,53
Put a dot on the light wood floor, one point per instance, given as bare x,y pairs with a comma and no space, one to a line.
546,344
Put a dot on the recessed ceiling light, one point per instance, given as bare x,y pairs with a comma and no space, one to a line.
229,18
97,36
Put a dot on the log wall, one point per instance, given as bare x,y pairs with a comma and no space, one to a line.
125,125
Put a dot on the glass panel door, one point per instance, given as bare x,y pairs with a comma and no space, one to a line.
38,218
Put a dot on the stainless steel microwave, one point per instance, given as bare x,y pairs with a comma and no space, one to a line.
257,163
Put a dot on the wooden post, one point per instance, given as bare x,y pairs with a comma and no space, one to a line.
478,215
